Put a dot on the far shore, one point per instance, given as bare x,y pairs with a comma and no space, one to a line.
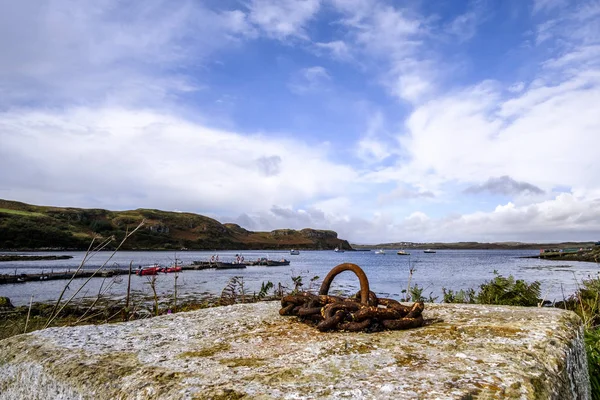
28,257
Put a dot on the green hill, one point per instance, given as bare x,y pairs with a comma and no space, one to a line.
29,227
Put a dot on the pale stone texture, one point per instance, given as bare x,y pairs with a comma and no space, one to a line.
249,351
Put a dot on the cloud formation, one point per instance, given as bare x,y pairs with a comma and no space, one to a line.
376,119
283,18
309,79
504,185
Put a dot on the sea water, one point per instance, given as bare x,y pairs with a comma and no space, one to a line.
388,274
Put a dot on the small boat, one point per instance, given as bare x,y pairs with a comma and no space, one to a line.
152,270
273,263
380,251
428,251
294,252
403,253
338,250
264,261
227,265
173,268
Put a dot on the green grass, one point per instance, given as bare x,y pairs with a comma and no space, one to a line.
19,212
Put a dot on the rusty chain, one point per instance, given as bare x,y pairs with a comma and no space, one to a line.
362,312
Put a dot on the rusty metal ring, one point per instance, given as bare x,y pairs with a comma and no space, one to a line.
362,278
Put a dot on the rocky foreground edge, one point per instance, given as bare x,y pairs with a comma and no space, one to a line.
250,351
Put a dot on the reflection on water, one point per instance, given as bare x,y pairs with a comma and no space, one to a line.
388,274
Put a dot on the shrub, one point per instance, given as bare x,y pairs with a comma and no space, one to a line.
592,347
461,296
509,292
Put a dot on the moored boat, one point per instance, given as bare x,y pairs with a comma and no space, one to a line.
151,270
403,253
380,251
173,268
338,250
273,263
264,261
294,252
227,265
428,251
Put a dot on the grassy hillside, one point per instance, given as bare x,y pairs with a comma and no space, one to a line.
29,227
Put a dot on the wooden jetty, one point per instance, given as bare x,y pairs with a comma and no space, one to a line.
105,273
50,276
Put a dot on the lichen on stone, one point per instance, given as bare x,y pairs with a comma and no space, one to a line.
249,351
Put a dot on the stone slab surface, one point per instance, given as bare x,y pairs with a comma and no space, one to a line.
248,351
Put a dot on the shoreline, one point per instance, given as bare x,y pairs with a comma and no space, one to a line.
591,257
28,257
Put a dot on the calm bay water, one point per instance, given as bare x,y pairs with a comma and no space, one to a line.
388,274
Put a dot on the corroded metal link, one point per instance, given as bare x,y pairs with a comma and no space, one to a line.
404,323
299,298
330,309
373,300
362,312
391,303
286,309
333,322
362,278
377,313
416,310
326,299
355,326
306,311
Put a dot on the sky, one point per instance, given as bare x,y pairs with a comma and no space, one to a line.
385,121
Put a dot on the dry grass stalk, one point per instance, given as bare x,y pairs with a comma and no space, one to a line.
126,317
55,313
28,314
152,282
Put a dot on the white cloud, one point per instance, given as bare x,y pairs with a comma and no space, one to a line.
464,26
75,52
309,79
402,193
283,18
393,39
470,135
80,126
562,218
135,158
374,146
338,49
516,87
504,185
548,5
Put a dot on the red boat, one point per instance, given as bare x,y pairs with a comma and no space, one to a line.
153,270
174,268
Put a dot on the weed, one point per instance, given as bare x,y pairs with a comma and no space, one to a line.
462,296
509,292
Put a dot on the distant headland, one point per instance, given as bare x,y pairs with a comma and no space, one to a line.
37,228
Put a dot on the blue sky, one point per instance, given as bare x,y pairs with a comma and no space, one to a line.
383,120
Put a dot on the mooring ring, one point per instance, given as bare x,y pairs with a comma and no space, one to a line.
362,278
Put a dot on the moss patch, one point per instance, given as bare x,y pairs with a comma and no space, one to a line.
221,394
409,359
242,362
206,352
349,348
